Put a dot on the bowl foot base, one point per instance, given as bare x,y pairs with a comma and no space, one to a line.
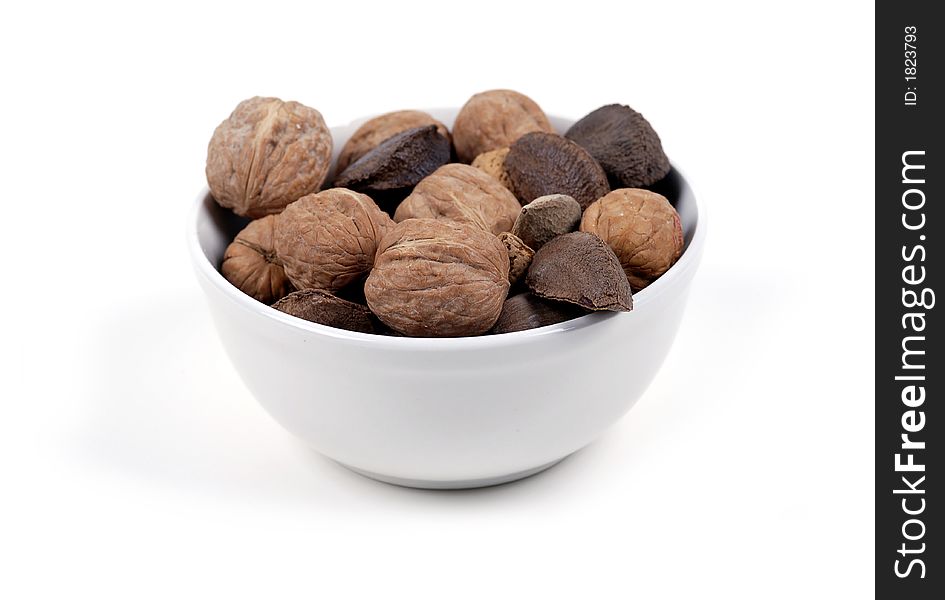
457,484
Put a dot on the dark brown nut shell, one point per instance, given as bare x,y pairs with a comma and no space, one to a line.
380,128
545,218
398,163
625,145
328,240
495,119
437,278
267,154
520,256
493,163
642,228
527,311
581,269
250,263
463,194
322,307
541,164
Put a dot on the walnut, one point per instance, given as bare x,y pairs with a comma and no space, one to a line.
464,194
527,311
624,144
250,262
321,307
438,279
642,228
495,119
267,154
328,240
493,163
540,164
520,256
545,218
581,269
380,128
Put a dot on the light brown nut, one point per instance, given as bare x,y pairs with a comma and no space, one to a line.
520,256
380,128
540,164
267,154
463,194
250,263
321,307
642,228
495,119
327,240
493,163
581,269
527,311
545,218
437,278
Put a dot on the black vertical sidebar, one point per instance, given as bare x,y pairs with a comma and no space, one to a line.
910,368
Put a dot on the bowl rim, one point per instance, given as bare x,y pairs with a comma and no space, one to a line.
687,262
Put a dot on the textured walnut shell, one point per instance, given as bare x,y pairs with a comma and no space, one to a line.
267,154
398,163
495,119
520,256
322,307
581,269
438,279
642,228
541,164
250,263
527,311
328,240
493,163
625,145
463,194
376,130
545,218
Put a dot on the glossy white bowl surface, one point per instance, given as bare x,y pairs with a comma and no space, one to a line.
454,412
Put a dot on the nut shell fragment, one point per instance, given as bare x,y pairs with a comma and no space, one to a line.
642,228
250,263
267,154
374,131
328,240
520,256
541,164
581,269
494,119
322,307
463,194
436,278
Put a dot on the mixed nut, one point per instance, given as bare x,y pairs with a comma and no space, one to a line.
529,228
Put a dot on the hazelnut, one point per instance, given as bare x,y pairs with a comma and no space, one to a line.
321,307
328,240
642,228
493,163
374,131
398,163
267,154
581,269
540,164
625,145
495,119
463,194
545,218
527,311
250,262
438,279
520,256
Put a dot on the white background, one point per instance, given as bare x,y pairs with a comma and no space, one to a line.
134,463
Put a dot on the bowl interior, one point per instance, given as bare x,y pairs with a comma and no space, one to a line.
216,227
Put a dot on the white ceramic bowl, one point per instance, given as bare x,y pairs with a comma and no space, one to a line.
454,412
